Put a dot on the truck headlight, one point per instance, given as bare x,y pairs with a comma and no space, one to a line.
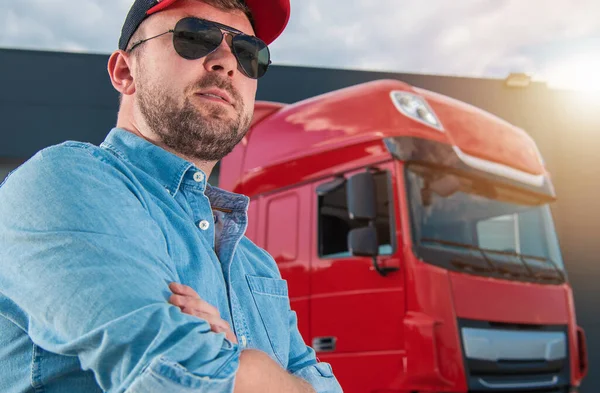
415,107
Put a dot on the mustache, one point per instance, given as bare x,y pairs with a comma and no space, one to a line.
213,80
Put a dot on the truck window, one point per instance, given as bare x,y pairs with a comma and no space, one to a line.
451,209
335,223
499,233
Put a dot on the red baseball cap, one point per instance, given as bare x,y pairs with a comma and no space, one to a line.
270,17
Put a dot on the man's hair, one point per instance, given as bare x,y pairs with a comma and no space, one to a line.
232,5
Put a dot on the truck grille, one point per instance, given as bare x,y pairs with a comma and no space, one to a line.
515,358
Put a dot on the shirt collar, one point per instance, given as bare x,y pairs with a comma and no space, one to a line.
226,201
164,166
168,168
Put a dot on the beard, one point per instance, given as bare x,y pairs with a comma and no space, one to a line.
187,131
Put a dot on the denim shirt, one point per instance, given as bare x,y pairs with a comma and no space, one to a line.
91,237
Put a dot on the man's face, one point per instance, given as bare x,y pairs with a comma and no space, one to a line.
175,97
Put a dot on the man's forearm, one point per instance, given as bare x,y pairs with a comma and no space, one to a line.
258,373
304,387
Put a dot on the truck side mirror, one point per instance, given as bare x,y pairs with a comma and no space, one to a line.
363,242
361,198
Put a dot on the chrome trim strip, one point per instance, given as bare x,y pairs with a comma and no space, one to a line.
520,385
495,344
499,169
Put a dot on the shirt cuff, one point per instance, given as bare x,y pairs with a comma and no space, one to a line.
320,376
163,375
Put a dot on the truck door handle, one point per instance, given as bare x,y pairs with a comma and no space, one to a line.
324,344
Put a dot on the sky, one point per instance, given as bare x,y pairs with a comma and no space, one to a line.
556,41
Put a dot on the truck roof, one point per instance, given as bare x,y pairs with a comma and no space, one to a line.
367,112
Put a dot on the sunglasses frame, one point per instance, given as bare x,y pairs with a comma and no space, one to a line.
224,30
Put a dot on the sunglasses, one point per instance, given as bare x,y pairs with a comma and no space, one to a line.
194,38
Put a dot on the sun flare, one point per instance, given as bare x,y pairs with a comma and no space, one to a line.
581,72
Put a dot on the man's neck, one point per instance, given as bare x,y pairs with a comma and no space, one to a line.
204,166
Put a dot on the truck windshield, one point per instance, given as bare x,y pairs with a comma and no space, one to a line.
466,223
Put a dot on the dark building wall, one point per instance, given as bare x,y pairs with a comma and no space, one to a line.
5,169
49,97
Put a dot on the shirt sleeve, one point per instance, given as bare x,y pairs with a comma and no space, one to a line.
303,363
82,258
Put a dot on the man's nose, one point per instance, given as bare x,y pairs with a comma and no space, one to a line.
222,59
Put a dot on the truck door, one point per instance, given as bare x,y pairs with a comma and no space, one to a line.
356,313
280,223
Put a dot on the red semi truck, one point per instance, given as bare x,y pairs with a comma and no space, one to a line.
416,237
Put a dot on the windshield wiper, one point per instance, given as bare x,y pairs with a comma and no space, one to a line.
450,243
466,263
532,270
519,270
536,270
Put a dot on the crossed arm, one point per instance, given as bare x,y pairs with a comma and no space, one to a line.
257,371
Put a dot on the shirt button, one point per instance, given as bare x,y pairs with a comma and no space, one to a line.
243,341
204,225
198,177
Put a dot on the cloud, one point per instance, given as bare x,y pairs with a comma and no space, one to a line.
462,37
466,37
83,25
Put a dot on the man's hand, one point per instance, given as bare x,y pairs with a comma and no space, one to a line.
257,371
190,303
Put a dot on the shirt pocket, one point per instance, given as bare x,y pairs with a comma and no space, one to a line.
271,299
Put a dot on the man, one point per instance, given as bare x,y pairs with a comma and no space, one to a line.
95,241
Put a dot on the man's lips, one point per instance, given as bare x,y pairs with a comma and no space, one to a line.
216,94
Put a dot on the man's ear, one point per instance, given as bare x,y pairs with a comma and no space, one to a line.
119,70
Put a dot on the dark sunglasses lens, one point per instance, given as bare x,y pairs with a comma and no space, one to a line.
193,38
252,54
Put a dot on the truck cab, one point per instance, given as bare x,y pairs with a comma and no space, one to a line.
417,240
